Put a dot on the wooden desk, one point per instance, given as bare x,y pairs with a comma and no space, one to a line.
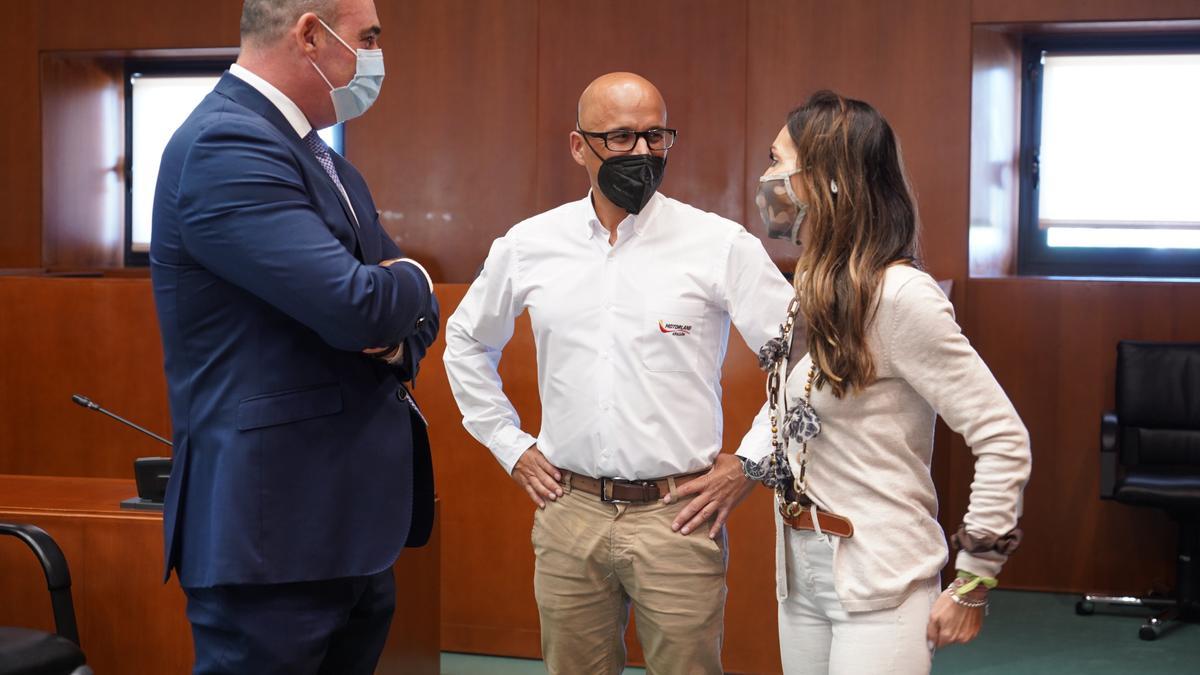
129,621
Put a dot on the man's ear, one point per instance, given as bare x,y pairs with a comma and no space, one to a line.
577,140
306,31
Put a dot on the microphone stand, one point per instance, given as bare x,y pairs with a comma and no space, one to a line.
151,473
90,405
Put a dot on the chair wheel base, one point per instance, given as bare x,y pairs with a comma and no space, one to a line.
1148,633
1085,608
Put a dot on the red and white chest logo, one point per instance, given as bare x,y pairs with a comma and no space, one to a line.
672,328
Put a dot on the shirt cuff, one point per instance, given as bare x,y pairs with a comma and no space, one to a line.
418,265
754,454
508,445
397,357
755,445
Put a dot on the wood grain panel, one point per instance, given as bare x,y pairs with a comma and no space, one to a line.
1052,346
129,621
137,24
487,593
83,148
20,137
694,51
449,150
414,640
909,60
98,337
995,151
1018,11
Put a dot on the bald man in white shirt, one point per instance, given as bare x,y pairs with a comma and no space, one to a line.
631,295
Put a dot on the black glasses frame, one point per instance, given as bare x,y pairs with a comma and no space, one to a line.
643,135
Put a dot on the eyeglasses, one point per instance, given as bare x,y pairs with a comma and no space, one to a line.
625,140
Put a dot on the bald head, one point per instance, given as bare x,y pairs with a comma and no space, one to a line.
621,101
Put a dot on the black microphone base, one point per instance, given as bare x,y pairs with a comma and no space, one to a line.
139,504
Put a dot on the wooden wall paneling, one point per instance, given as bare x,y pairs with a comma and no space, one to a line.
694,51
20,137
1017,11
414,639
995,151
751,635
487,564
137,24
449,150
1052,346
129,621
909,60
1185,321
83,151
98,337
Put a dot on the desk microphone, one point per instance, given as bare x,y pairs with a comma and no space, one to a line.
86,402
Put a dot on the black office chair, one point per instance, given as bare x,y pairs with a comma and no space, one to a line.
1150,456
24,651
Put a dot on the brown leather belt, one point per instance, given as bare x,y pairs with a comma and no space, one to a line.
799,516
619,491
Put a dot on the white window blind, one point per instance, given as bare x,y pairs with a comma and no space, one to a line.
1119,148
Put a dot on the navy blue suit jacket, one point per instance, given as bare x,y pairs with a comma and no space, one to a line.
296,457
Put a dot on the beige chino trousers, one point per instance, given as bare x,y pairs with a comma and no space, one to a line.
594,560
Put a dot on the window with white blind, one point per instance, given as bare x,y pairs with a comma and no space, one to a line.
1110,175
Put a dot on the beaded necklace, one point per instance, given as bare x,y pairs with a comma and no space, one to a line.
799,423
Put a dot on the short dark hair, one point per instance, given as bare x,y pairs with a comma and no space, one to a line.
264,21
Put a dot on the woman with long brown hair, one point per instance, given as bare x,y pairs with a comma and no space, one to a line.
869,355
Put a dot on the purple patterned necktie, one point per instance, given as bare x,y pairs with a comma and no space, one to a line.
321,150
318,147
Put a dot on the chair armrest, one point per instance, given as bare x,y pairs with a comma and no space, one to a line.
1110,452
58,575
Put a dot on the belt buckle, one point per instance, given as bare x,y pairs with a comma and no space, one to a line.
606,490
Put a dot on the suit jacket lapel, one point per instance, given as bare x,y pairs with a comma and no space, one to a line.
242,93
356,190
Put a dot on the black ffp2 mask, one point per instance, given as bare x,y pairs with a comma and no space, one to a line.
629,181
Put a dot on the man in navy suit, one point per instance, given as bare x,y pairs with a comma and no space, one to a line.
289,320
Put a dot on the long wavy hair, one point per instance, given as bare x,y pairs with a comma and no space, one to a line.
861,220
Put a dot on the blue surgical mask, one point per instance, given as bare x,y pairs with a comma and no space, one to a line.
357,96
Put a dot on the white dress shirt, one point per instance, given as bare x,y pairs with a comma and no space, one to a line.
630,337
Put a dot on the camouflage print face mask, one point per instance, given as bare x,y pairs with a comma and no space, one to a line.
781,210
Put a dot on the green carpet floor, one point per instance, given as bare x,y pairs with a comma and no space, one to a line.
1039,634
1026,634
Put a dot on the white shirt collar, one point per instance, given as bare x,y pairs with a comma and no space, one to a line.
594,227
290,110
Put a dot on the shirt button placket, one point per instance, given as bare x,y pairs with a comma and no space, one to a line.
607,342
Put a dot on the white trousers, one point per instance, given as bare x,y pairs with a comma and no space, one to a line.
818,637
